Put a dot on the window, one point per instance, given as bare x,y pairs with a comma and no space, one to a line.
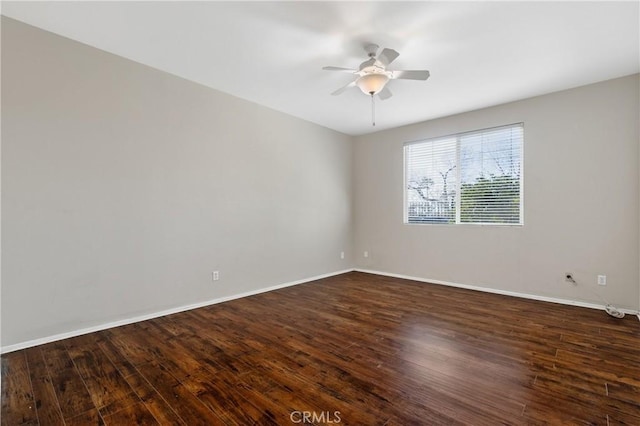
468,178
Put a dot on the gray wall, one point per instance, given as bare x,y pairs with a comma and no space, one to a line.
124,187
580,201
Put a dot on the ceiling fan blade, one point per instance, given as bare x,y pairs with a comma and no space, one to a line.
411,75
368,63
387,56
339,69
385,93
343,88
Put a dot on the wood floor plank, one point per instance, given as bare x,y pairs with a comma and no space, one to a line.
88,418
43,392
190,409
377,350
609,369
71,393
231,406
212,383
18,405
103,381
154,402
120,362
136,414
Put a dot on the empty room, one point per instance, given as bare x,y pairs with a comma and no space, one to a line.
358,213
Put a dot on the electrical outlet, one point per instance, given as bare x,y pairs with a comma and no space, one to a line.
341,255
366,254
215,276
602,280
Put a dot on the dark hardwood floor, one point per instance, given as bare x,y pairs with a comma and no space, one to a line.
355,349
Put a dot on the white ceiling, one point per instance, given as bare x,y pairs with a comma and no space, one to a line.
479,53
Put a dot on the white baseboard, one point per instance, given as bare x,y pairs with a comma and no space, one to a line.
74,333
498,291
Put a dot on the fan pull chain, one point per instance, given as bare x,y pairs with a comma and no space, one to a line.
373,111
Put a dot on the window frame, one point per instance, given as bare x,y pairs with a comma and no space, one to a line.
457,223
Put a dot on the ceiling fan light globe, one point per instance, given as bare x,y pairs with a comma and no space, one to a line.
371,84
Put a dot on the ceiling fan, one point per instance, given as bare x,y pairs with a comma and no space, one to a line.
372,75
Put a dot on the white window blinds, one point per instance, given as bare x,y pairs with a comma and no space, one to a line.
472,177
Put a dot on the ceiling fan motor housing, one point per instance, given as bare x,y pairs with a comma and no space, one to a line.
371,49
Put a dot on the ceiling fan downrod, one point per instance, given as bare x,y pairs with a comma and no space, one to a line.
373,111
